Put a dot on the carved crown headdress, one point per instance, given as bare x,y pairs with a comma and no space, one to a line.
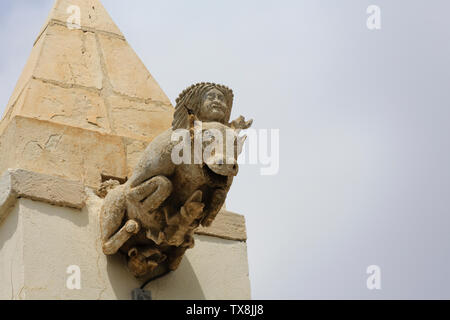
191,99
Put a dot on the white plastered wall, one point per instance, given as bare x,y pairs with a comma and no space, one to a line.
39,241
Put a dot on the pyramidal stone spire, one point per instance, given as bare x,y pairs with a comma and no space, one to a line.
85,105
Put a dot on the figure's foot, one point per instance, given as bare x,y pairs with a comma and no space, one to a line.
132,227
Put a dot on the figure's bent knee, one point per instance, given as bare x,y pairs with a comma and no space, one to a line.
107,250
163,183
163,189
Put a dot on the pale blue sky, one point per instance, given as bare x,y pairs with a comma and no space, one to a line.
364,122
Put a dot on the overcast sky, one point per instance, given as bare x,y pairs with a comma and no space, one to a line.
364,129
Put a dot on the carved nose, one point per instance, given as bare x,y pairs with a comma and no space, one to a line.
225,167
234,167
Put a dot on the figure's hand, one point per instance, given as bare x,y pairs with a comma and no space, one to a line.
241,124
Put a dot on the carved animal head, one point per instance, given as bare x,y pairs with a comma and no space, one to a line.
221,146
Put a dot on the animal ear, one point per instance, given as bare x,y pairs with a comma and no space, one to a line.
240,143
240,124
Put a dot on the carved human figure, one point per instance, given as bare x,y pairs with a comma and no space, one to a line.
153,216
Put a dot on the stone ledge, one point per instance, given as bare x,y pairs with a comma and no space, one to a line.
227,225
61,192
20,183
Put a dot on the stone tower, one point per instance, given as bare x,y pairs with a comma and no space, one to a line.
83,110
87,101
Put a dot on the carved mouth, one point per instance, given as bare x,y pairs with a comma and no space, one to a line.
217,178
218,107
210,172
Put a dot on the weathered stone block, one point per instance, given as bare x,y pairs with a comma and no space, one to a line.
92,15
69,57
127,73
75,107
138,119
24,79
69,152
134,149
227,225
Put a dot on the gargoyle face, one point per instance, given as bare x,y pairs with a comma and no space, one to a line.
221,148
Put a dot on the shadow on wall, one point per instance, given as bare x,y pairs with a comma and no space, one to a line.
9,226
121,280
73,216
181,284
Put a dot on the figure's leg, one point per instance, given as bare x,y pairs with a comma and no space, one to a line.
111,217
123,235
152,193
112,213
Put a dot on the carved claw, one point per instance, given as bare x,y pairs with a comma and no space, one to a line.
161,237
197,196
152,265
192,210
193,207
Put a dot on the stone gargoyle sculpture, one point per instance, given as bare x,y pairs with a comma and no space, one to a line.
153,216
